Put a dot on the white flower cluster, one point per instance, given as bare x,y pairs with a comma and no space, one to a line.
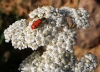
54,33
16,34
86,64
78,17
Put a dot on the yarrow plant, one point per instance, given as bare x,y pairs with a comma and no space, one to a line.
50,28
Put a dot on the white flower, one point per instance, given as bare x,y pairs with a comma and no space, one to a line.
56,35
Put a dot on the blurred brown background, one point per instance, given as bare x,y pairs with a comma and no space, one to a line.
12,10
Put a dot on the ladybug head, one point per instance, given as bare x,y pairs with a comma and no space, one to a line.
43,18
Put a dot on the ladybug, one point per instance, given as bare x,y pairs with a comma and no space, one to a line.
37,23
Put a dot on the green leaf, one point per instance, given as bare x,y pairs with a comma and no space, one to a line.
0,0
1,38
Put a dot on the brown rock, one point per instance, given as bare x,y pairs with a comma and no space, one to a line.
90,37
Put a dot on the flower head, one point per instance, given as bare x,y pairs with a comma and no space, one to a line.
55,33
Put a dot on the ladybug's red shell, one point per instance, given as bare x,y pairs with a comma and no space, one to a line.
37,22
